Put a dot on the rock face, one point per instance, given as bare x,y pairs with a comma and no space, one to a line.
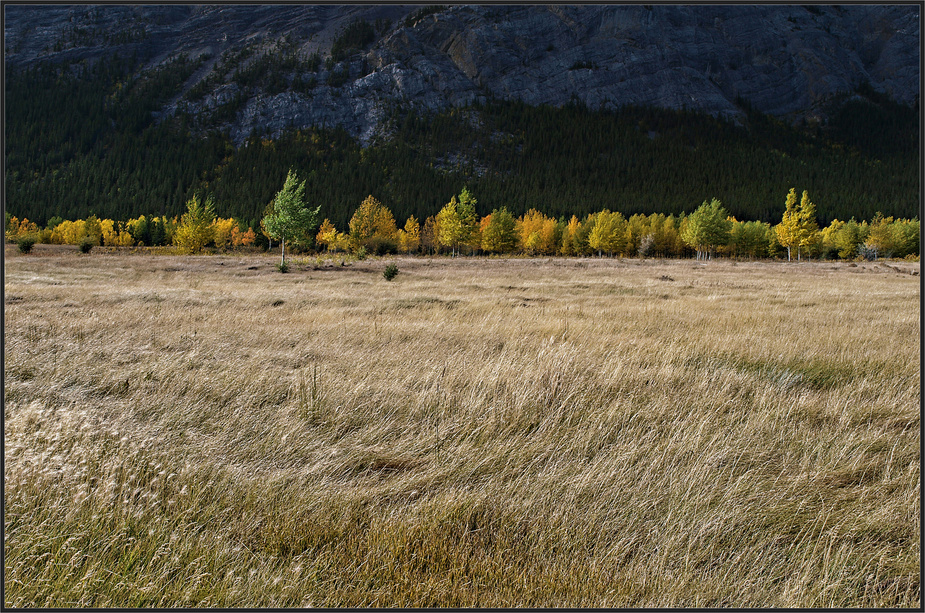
784,60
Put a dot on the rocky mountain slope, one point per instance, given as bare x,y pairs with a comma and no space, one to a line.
784,60
789,61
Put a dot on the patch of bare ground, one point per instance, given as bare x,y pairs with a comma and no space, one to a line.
480,432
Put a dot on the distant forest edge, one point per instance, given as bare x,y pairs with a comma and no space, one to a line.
88,141
458,230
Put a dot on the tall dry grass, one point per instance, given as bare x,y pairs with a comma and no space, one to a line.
205,431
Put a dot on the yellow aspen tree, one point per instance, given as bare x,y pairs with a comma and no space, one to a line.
548,236
222,229
603,234
125,238
108,231
483,225
341,242
195,230
567,244
372,219
637,226
468,219
68,232
537,233
788,230
429,235
16,229
449,231
327,234
27,227
12,227
880,236
499,234
409,238
808,227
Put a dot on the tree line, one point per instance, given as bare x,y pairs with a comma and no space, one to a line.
457,229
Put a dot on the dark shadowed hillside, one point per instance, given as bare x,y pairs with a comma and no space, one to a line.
121,110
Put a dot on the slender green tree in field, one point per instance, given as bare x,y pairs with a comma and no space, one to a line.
195,230
707,228
289,220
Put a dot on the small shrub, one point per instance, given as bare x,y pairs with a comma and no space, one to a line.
390,272
361,254
867,252
25,243
282,267
85,245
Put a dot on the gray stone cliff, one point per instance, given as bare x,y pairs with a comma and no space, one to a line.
788,61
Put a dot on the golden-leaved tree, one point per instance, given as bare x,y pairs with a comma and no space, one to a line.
195,230
607,233
327,234
808,232
370,222
788,230
499,232
798,227
409,238
450,231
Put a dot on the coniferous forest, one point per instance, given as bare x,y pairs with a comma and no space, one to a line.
89,140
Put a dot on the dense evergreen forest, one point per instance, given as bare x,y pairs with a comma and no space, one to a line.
85,140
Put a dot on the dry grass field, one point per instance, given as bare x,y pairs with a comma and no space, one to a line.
205,431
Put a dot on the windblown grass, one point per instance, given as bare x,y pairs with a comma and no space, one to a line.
207,432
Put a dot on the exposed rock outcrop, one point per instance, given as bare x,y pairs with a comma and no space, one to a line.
784,60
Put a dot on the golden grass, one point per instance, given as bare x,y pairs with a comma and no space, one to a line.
205,431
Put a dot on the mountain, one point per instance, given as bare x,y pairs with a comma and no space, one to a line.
270,68
123,110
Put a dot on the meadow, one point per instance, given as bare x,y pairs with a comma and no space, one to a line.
206,431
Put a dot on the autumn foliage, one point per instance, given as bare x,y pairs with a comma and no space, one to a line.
709,231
